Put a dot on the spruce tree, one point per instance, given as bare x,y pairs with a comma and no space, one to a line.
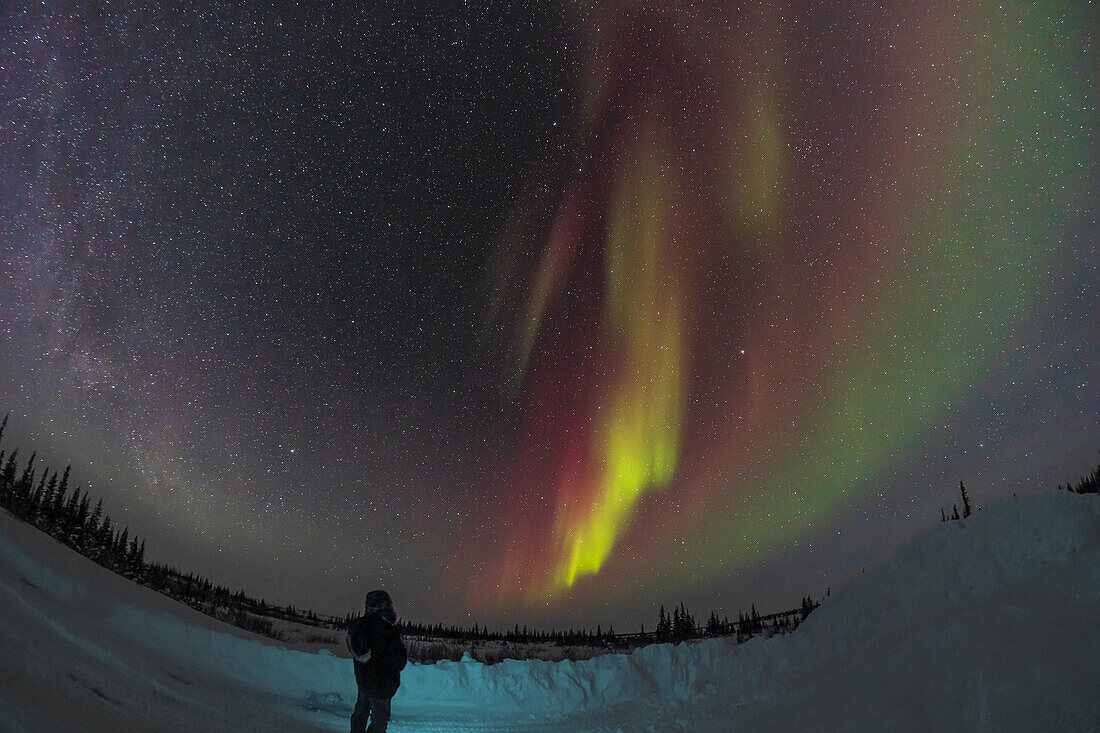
79,521
21,494
7,479
664,626
90,534
3,426
132,559
966,500
57,510
68,518
34,512
45,511
118,549
103,541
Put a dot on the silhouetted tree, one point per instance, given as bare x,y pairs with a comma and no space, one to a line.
34,513
45,508
21,492
1089,484
89,537
7,478
78,521
58,503
664,626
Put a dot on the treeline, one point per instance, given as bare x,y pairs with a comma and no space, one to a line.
40,497
46,500
517,635
678,626
1089,484
43,499
235,607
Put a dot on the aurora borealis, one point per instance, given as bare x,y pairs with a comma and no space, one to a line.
780,251
549,315
773,299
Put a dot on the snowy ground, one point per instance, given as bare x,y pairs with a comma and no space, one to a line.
992,623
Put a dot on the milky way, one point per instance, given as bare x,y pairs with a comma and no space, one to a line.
548,315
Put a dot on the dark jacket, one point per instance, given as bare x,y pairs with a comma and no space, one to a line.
381,675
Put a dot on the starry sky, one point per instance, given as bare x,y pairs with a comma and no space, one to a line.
548,314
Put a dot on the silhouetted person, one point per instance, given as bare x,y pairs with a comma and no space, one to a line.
375,642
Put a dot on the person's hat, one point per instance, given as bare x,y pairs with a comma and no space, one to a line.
378,599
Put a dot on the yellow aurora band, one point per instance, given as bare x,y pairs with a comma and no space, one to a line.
638,419
645,237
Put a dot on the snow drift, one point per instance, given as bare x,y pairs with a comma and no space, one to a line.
984,624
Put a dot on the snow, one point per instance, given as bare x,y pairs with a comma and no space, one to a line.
984,624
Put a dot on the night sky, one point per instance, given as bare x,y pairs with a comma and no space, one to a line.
548,315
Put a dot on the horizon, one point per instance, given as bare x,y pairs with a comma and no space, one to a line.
42,471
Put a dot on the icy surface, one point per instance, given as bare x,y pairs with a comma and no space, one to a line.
992,623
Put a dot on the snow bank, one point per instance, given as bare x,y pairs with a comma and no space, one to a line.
33,571
984,623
